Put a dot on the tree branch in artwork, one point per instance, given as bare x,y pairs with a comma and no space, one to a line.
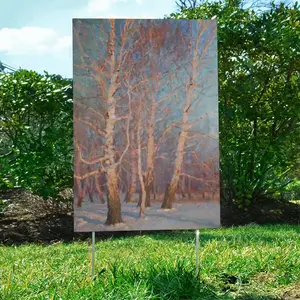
105,70
198,61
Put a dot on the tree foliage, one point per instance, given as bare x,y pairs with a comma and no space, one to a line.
259,96
35,132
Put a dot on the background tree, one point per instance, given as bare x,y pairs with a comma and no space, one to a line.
259,97
183,4
160,39
194,87
36,132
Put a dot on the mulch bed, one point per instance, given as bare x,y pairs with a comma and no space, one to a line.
29,219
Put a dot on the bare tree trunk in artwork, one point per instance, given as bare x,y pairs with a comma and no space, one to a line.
189,188
79,189
99,189
150,164
170,194
154,190
90,186
182,187
140,171
79,192
149,181
150,149
132,185
128,194
113,201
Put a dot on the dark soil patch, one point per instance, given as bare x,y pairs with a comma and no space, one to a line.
272,212
49,228
28,218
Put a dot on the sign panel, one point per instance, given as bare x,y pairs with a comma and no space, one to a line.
146,145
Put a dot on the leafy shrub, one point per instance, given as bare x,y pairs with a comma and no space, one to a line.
35,132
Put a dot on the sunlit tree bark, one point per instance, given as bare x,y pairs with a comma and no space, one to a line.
106,73
197,63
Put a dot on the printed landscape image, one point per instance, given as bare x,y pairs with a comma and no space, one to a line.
146,147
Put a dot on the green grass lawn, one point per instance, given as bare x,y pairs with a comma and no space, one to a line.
250,262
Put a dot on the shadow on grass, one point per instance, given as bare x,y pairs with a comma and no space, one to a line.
166,282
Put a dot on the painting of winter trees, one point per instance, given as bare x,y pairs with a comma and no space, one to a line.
146,144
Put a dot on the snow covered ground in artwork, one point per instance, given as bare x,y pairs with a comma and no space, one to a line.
188,215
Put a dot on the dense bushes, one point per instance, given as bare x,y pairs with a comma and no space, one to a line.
35,132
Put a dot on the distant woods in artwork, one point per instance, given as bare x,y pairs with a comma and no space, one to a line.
145,130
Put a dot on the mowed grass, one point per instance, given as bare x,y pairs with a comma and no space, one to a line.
250,262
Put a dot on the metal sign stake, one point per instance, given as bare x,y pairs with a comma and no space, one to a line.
197,251
93,254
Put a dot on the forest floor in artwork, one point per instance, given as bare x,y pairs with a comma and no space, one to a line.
188,215
246,262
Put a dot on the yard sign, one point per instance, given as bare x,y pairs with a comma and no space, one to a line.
146,144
